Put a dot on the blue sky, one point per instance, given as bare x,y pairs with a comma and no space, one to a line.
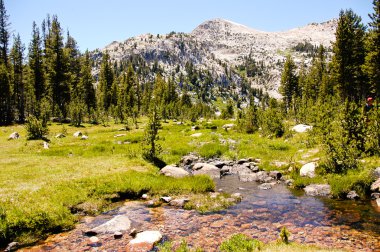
96,23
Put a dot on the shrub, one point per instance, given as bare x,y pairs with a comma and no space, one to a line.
240,243
37,129
272,122
284,235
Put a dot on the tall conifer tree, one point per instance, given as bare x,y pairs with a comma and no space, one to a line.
348,58
16,58
373,55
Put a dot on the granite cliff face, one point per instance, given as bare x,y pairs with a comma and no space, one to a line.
220,46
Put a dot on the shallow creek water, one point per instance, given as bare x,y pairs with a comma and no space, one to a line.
351,225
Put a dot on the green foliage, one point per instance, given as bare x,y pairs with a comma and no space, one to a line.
37,129
151,149
345,140
240,243
77,111
271,122
348,58
228,111
289,82
359,181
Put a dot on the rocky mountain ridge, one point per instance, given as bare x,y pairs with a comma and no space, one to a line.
219,46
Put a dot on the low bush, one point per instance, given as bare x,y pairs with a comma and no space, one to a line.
240,243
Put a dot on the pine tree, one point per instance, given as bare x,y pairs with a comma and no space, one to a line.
86,83
4,33
106,78
348,57
56,65
36,76
16,58
289,82
72,55
6,116
372,65
5,96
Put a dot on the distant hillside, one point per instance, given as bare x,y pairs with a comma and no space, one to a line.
227,51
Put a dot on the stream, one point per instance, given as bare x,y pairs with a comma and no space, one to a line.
327,223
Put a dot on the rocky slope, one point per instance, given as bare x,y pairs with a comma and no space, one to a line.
220,45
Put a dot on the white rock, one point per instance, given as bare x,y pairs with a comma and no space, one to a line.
308,170
166,199
77,134
228,126
46,145
60,135
84,137
301,128
149,236
174,171
317,190
378,202
13,136
196,135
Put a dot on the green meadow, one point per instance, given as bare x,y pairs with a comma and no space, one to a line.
45,191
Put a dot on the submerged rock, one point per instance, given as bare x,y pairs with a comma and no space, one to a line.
119,223
265,186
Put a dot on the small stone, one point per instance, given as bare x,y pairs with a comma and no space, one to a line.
375,195
196,135
180,203
352,195
144,196
46,145
265,186
289,182
77,134
196,127
118,235
94,241
84,137
275,174
376,173
12,246
378,202
133,232
166,199
119,135
13,136
60,135
375,187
